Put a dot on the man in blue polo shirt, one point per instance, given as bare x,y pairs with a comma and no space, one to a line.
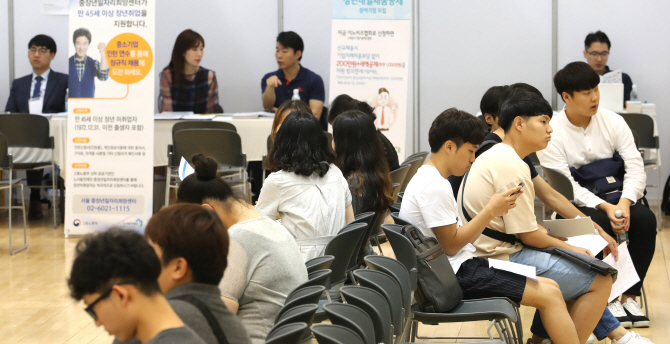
279,86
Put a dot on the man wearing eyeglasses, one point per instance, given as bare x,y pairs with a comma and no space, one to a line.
42,91
116,274
597,51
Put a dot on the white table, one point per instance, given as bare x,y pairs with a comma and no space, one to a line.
253,132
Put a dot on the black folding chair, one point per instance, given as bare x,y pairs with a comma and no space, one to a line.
288,334
414,165
353,318
335,334
7,164
319,263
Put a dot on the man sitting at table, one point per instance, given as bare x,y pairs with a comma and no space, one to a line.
596,52
279,86
42,91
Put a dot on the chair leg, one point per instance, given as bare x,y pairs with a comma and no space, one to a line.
659,223
25,226
167,186
644,301
9,208
54,187
379,246
413,331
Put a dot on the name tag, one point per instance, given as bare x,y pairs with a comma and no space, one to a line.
35,105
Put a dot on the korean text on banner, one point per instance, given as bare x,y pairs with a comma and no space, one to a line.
110,115
369,60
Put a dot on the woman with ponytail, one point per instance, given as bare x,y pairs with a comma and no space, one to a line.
306,190
264,261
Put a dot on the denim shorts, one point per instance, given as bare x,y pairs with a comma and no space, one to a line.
574,280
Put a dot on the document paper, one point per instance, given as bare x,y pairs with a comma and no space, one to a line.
519,269
627,275
593,242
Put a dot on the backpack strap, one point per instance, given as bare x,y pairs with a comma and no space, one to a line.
485,146
207,313
493,234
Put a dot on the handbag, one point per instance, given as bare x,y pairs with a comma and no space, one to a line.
604,178
438,290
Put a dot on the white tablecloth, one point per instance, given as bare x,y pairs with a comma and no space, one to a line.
254,134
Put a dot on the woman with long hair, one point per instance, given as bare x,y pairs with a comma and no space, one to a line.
305,189
360,156
283,110
259,248
184,84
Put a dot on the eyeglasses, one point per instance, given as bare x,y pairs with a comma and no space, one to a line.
34,50
102,296
601,54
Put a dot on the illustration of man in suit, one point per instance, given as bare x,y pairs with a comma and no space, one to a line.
384,112
42,91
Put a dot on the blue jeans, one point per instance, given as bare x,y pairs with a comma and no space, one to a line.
606,324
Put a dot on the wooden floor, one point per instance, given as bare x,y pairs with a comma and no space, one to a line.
35,306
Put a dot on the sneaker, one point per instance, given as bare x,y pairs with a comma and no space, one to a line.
591,340
619,313
636,339
635,313
544,341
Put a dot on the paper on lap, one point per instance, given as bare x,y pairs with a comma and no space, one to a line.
593,242
570,227
519,269
627,275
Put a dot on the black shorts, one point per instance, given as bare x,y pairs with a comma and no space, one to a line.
479,281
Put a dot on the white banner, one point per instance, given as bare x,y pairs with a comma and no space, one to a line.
369,60
110,115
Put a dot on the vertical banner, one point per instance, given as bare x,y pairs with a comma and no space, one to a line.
110,123
369,60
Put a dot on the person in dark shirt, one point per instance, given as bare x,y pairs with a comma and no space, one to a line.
596,52
116,274
344,103
280,85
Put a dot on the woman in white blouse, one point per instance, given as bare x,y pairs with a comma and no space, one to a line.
306,190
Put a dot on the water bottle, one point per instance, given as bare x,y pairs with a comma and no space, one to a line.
623,236
296,94
633,94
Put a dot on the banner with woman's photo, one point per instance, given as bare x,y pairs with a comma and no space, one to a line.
369,60
110,115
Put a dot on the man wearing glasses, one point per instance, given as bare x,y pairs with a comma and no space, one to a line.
116,274
42,91
597,51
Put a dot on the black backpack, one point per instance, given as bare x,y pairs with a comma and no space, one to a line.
438,290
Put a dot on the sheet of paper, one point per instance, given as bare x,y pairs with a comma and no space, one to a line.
613,77
185,169
593,242
570,227
519,269
246,115
169,115
55,7
200,117
627,275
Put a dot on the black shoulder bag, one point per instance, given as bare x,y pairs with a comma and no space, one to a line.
592,263
211,320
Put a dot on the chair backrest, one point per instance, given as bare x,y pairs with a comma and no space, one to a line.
182,125
359,252
353,318
398,175
414,166
335,334
343,247
298,314
643,126
4,152
319,277
288,334
422,155
319,263
398,221
375,304
395,207
534,159
223,145
24,130
396,270
402,247
559,182
299,297
389,288
400,196
366,217
396,190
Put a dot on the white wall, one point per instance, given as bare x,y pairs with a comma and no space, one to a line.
639,32
5,83
469,46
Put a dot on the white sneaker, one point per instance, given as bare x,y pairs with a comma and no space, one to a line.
591,340
636,339
635,313
619,313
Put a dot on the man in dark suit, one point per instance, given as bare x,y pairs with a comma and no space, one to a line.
42,91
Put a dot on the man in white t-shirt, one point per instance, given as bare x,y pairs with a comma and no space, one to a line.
429,204
584,133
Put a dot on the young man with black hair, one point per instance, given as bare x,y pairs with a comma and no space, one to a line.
429,205
525,119
280,85
608,326
596,52
42,91
192,244
585,133
83,68
116,274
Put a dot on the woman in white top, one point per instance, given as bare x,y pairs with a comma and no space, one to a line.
306,190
